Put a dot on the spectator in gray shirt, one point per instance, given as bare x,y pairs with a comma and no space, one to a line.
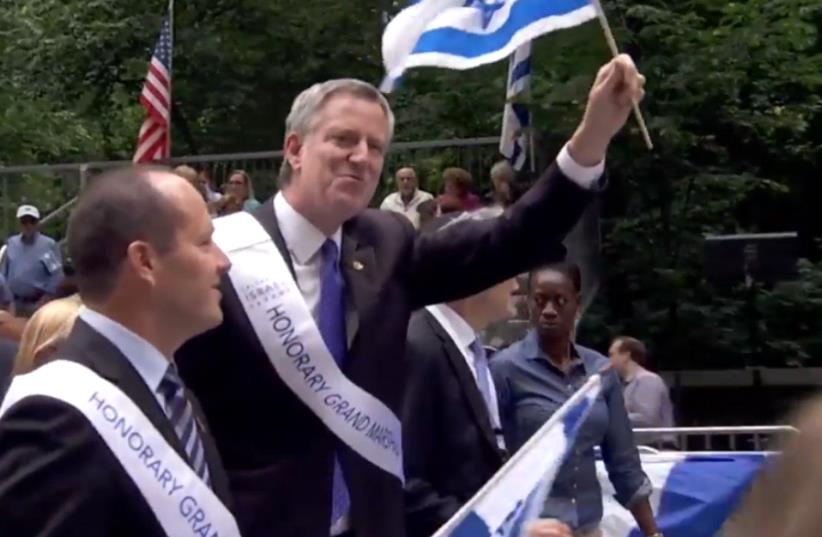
646,396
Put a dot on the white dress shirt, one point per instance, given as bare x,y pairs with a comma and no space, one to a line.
149,362
304,241
463,336
393,202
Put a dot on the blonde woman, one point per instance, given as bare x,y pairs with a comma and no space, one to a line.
45,330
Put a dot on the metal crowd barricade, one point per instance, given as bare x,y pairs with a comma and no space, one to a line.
54,187
735,435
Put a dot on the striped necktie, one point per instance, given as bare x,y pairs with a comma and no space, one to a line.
179,411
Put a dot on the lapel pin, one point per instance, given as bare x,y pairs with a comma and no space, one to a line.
357,265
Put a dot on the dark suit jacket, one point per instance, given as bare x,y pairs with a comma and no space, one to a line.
279,456
57,475
8,351
449,446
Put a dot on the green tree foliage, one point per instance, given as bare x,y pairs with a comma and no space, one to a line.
734,107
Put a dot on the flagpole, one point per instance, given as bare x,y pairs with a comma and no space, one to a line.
170,72
609,37
531,131
531,114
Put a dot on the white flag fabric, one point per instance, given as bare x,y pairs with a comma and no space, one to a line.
693,494
463,34
516,494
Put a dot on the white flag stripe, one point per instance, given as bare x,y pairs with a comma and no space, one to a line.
537,460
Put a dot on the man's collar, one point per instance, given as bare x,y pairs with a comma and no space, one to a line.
143,356
29,240
302,237
453,323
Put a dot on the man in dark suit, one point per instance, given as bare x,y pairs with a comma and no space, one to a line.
290,475
148,274
452,436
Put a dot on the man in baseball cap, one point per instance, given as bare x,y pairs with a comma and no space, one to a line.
33,266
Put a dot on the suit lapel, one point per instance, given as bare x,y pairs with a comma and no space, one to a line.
267,217
219,480
357,262
87,346
466,381
359,268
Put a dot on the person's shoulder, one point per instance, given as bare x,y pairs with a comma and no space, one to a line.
45,240
594,360
506,359
390,199
423,330
373,223
62,422
15,240
425,196
649,377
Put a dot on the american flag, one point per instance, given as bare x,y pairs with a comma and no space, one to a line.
154,140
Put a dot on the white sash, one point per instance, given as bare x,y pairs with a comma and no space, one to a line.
287,331
182,503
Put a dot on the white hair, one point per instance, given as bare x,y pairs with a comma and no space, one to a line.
501,166
308,104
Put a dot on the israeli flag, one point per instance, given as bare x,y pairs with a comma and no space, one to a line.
694,494
516,119
516,494
463,34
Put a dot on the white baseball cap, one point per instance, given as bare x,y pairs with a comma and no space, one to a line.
28,210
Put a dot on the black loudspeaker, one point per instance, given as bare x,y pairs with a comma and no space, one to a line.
760,257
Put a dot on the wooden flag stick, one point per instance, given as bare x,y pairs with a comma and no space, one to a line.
609,37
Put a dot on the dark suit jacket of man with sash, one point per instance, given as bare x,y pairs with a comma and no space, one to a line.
278,454
58,477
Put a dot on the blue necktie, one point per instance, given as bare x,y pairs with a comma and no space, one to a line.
179,411
483,373
331,322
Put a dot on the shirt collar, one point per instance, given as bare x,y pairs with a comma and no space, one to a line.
456,327
531,351
301,236
149,362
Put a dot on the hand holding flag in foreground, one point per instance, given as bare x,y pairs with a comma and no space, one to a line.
516,494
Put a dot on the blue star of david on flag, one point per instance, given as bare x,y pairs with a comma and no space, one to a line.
463,34
487,7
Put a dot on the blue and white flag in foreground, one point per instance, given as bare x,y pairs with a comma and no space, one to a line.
516,494
693,496
516,119
462,34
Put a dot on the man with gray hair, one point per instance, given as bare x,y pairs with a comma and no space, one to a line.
303,382
408,197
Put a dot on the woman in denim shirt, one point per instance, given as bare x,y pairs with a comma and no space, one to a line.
537,375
